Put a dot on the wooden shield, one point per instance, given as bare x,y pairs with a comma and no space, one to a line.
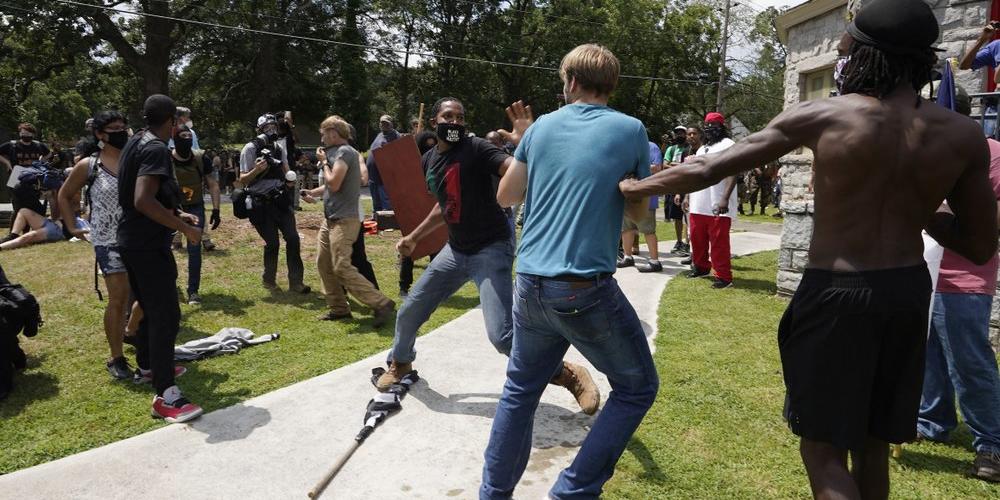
399,166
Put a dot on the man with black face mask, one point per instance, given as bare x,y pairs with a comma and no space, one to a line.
480,248
194,171
22,152
263,166
712,212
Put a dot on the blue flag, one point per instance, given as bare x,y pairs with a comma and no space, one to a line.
946,90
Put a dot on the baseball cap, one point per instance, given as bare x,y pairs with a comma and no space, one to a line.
715,118
680,128
387,119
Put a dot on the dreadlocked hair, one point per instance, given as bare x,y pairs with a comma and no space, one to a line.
876,73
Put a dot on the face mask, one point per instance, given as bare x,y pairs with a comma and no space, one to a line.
713,134
450,132
27,138
838,73
118,139
183,145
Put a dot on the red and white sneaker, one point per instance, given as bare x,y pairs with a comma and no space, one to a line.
178,410
146,376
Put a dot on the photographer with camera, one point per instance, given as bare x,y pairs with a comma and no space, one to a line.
263,170
194,172
23,152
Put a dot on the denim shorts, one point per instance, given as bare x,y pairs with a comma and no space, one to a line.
109,259
52,231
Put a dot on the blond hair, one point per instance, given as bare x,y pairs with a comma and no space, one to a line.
338,125
593,67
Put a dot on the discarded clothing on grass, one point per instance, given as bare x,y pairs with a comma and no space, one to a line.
227,341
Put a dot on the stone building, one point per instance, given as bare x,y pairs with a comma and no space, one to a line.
810,33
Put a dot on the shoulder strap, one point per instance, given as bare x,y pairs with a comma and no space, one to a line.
92,171
91,177
197,156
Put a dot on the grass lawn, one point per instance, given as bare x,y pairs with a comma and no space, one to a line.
716,431
665,230
763,219
65,402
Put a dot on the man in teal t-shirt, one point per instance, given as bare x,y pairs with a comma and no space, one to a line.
569,163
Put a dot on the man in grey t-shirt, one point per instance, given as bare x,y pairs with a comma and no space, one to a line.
340,191
343,203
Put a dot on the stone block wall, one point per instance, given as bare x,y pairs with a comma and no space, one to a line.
812,46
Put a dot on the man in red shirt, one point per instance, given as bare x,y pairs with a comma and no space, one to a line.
960,359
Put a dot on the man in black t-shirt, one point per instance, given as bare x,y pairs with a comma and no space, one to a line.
150,196
459,172
22,152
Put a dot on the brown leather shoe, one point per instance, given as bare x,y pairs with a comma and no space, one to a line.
577,380
393,375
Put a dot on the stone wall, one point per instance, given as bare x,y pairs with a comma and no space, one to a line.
812,46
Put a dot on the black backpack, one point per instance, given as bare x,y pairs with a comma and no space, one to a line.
19,311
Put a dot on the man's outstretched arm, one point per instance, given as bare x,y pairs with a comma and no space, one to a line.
785,132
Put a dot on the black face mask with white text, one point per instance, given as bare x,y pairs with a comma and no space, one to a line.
452,133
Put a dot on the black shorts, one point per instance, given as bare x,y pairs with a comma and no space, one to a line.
671,210
852,350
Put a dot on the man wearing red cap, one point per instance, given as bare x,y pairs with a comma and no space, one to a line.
853,338
712,212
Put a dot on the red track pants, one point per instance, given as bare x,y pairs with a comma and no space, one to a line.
710,237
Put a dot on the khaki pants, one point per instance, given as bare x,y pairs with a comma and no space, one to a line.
336,271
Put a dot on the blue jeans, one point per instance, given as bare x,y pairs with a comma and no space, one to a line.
194,251
961,362
549,316
490,269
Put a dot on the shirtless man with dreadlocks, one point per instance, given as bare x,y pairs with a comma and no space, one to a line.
852,340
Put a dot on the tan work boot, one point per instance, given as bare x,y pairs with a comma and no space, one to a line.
393,375
577,380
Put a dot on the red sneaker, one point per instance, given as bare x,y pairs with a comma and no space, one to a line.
146,377
178,410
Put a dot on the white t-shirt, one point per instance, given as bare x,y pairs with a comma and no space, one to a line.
704,201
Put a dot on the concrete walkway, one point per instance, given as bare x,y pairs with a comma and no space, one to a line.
279,444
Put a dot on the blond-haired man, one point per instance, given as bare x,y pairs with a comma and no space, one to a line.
340,191
569,162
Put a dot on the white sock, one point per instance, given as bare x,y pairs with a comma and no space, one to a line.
172,394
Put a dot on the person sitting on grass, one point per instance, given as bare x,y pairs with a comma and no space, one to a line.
32,228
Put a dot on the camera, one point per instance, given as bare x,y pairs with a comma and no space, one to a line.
267,155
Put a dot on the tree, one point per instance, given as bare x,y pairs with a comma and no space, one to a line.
757,95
